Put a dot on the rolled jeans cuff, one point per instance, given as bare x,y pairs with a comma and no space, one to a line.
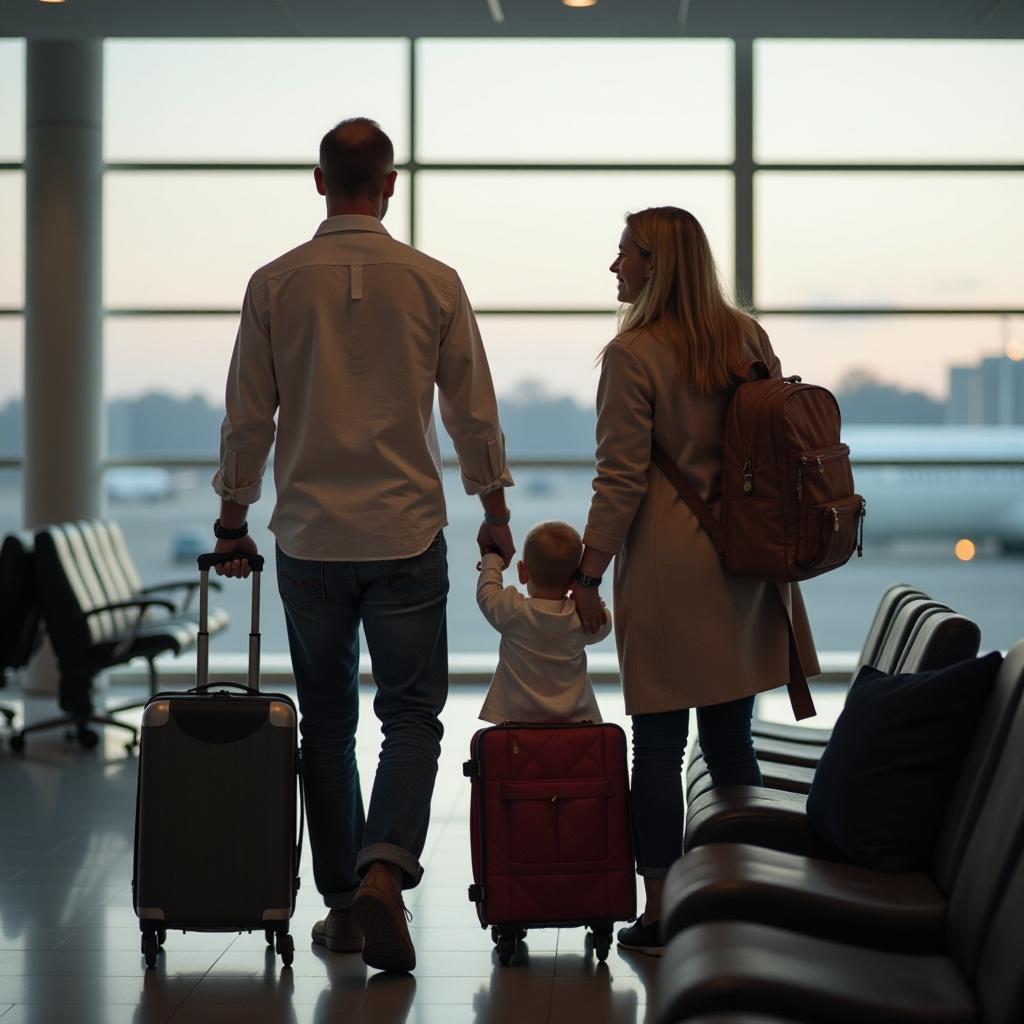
410,867
339,900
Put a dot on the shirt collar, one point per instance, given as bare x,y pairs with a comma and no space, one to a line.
351,222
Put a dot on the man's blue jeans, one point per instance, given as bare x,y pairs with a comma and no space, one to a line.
659,745
401,604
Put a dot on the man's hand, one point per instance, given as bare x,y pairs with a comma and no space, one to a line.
240,566
589,608
498,538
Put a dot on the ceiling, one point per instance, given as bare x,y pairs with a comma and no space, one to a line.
80,19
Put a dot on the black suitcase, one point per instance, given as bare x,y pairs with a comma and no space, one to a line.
219,802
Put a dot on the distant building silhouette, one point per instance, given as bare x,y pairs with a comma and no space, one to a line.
988,394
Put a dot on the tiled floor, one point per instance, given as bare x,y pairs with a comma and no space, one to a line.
69,940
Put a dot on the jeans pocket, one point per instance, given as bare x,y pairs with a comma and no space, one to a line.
300,582
422,577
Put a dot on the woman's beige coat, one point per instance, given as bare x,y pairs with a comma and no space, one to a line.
688,635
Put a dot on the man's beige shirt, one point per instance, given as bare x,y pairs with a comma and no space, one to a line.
344,339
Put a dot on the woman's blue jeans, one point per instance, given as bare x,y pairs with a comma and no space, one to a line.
659,745
401,604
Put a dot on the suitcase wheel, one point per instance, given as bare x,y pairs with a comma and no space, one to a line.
161,936
268,934
602,941
286,948
506,949
150,948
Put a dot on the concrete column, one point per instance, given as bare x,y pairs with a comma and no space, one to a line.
63,279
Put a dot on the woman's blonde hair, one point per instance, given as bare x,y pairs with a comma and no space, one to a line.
682,302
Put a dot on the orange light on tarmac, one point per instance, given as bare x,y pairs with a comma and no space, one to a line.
965,550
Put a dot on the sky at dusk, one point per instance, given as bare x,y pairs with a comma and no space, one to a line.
543,239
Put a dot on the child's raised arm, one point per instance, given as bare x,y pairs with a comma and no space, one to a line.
498,603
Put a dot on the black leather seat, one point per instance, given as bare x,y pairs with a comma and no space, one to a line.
945,640
20,631
784,762
734,966
884,910
870,654
90,631
776,818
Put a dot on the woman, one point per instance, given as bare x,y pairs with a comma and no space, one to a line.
688,635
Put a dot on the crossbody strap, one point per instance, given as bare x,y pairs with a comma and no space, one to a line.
698,506
799,692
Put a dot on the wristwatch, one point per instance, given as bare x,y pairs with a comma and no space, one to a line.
587,581
227,533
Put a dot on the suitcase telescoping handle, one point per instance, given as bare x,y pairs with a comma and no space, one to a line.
206,562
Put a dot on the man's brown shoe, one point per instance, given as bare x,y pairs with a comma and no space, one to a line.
380,914
338,933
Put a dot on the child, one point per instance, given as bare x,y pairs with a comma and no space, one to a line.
542,667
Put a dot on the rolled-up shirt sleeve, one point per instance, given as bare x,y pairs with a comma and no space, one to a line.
251,400
469,409
625,421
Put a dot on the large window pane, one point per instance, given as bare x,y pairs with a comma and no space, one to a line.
12,100
240,99
193,238
888,101
12,376
12,238
589,101
546,238
910,353
889,239
555,356
180,357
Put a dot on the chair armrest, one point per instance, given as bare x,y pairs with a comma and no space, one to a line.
190,585
141,606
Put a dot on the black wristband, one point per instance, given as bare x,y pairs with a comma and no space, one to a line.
227,533
587,581
502,520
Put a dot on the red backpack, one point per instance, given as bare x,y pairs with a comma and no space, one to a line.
789,511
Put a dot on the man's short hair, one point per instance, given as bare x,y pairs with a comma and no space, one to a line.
552,553
355,158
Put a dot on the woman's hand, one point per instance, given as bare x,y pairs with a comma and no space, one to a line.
589,608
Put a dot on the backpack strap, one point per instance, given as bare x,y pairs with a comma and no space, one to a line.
800,699
698,506
755,369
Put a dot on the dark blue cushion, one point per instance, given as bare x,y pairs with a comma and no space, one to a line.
886,776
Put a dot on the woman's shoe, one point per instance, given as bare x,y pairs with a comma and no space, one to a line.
644,938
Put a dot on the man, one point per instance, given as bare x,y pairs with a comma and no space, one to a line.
345,338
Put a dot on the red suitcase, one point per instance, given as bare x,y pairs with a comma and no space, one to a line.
550,828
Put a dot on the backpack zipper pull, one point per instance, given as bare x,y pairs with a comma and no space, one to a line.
748,478
835,520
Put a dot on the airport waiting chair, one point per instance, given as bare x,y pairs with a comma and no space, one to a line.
966,972
777,818
20,630
90,632
121,580
785,764
892,600
900,911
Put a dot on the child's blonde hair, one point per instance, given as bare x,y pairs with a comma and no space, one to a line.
552,553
